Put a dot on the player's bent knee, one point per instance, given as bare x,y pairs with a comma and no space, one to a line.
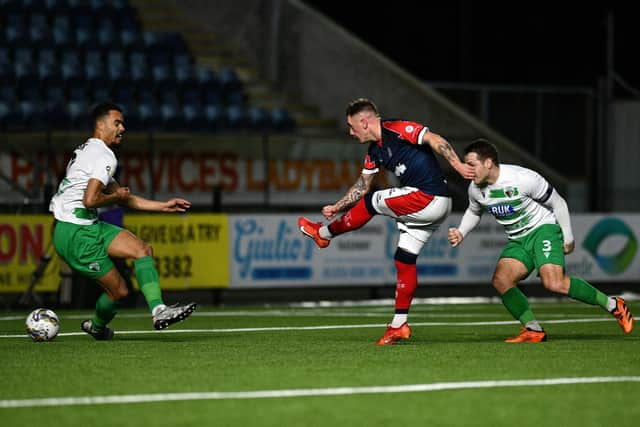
502,284
554,286
120,293
145,250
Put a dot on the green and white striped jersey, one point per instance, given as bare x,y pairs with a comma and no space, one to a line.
93,159
515,200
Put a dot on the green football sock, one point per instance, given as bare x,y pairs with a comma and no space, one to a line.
106,310
148,281
583,291
518,305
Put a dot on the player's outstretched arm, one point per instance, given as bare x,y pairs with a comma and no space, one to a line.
442,147
353,196
171,205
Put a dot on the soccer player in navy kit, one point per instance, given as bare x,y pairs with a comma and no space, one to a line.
419,205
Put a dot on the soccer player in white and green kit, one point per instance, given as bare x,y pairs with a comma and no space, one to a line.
537,222
87,244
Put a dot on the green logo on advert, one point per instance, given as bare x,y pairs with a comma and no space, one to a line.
616,263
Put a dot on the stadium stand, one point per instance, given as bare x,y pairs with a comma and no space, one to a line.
55,61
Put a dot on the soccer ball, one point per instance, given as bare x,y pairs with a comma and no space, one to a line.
42,324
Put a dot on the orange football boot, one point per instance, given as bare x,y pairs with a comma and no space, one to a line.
623,315
393,335
311,229
528,335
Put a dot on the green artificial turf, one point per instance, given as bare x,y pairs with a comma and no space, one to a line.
232,350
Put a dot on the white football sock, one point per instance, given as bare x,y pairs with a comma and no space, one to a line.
324,232
398,320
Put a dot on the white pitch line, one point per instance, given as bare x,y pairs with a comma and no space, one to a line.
322,327
339,391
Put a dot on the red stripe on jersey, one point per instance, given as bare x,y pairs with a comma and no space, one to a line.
407,130
368,163
409,203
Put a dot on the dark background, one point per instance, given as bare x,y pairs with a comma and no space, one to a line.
518,43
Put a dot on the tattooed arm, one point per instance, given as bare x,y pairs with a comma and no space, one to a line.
442,147
353,195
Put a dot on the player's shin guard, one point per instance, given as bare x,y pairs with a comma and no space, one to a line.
148,281
354,218
407,280
518,305
583,291
106,310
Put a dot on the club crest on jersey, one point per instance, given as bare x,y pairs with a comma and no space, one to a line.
510,192
409,129
400,169
501,210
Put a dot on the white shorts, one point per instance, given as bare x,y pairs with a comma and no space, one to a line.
417,214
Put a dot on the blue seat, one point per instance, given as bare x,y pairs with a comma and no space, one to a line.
237,117
206,78
78,112
148,115
184,75
71,65
191,95
56,7
78,106
8,92
259,119
123,95
175,43
161,67
55,106
94,66
5,55
100,92
6,73
61,31
281,120
31,107
38,28
170,110
107,35
83,27
229,80
235,97
182,59
193,117
6,112
15,29
215,117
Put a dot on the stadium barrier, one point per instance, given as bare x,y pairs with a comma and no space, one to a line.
200,251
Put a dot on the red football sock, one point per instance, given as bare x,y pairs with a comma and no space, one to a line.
406,287
353,219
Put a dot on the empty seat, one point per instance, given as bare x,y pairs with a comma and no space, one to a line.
236,117
61,31
71,65
14,27
215,117
258,118
94,66
38,28
281,120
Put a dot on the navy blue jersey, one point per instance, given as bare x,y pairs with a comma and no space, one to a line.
401,152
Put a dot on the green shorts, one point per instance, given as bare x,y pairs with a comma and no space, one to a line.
84,247
544,246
